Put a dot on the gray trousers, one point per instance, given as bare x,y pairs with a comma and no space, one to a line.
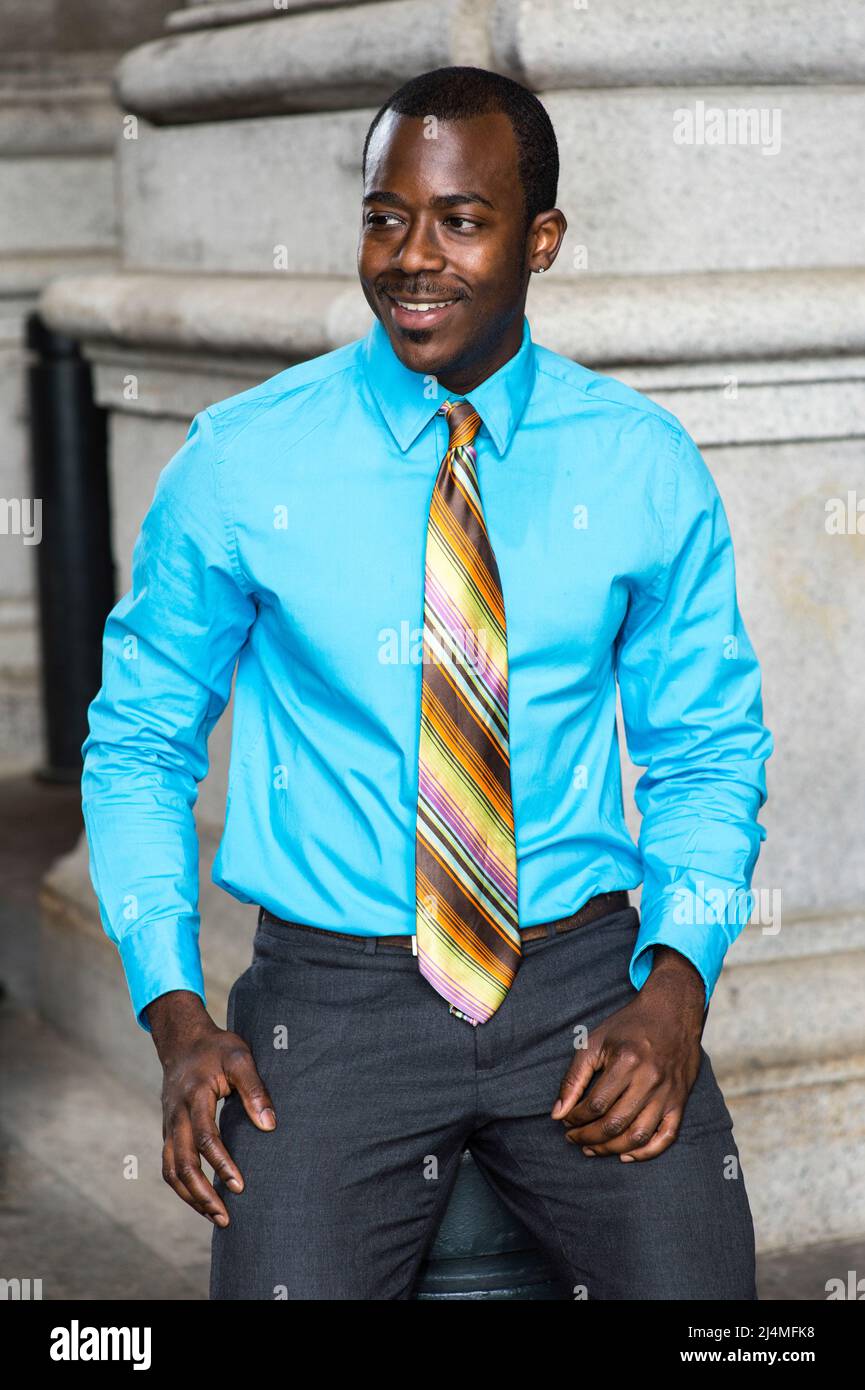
378,1089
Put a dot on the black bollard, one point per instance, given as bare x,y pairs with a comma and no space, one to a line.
74,565
482,1251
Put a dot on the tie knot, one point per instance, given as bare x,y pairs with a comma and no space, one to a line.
463,422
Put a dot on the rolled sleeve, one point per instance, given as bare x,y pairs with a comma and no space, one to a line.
692,707
169,649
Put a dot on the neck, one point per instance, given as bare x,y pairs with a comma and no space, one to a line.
469,372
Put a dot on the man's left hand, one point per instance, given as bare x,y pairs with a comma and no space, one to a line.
642,1062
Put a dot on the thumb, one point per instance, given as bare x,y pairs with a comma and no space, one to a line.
246,1081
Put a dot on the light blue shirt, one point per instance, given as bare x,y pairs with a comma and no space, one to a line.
287,536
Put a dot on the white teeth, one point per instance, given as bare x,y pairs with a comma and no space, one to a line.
423,308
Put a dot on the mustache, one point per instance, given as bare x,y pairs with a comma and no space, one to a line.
420,292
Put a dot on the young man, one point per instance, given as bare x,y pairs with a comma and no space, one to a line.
432,553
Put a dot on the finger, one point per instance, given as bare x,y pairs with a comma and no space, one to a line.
610,1083
610,1126
208,1142
639,1129
171,1176
169,1173
241,1071
663,1137
575,1081
188,1168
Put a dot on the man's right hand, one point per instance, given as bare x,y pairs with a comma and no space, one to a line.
201,1064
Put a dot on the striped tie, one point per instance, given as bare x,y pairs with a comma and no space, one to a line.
468,942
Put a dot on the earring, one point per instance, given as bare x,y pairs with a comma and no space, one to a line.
539,269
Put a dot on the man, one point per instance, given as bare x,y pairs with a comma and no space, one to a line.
432,553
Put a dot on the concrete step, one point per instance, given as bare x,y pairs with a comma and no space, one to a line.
83,1206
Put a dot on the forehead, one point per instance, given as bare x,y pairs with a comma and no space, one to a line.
478,152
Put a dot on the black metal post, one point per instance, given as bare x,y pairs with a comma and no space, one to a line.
74,563
482,1252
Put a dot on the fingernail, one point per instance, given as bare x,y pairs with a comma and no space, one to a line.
627,1158
235,1185
220,1220
590,1153
268,1119
556,1110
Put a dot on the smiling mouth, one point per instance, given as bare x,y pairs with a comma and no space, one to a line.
418,313
420,306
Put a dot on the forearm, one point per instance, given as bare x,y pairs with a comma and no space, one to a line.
147,898
698,860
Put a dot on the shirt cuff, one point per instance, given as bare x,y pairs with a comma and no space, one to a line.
158,958
687,922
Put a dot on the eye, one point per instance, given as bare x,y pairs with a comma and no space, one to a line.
467,222
377,219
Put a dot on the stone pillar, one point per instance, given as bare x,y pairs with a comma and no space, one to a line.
57,216
715,261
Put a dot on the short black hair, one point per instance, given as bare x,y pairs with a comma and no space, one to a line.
455,94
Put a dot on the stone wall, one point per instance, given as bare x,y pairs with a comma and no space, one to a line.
725,280
57,216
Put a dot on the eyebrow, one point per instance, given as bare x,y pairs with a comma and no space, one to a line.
442,200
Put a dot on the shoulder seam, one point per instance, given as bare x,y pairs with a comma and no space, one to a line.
677,435
262,404
656,414
672,438
215,458
221,408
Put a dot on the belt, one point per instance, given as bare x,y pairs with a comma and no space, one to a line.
600,906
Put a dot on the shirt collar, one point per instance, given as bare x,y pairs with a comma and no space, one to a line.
408,400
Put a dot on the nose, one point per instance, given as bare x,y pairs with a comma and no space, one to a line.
419,249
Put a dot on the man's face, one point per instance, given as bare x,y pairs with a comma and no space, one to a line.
443,225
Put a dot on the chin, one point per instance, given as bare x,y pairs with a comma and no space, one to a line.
422,345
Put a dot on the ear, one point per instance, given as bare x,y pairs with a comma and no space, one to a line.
545,238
